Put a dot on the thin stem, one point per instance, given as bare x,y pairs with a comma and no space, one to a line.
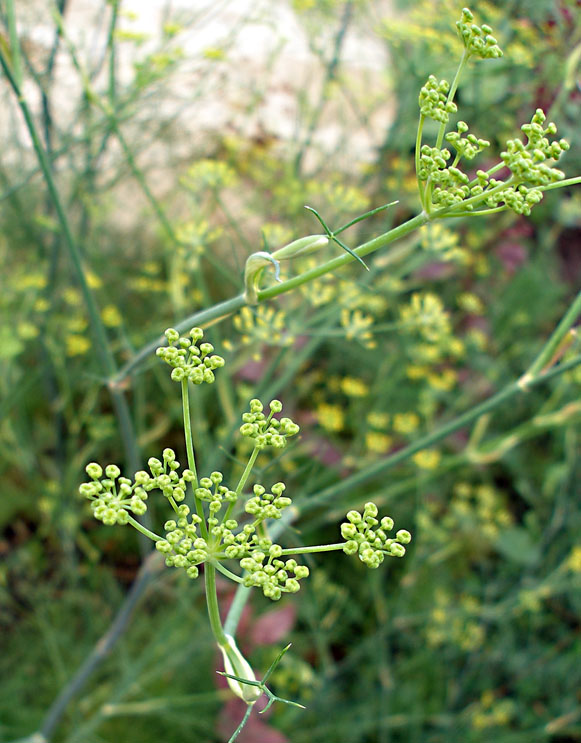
421,190
562,184
452,93
315,548
238,730
16,57
212,601
242,482
228,573
224,309
103,350
440,433
546,354
136,525
190,453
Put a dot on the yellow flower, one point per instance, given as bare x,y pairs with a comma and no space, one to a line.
354,387
331,417
428,459
425,312
406,422
446,380
93,280
471,303
356,326
380,443
415,371
574,559
378,420
77,345
111,316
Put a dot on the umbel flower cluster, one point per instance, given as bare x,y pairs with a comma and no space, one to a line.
443,183
214,523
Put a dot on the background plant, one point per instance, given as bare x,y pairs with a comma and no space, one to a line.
496,597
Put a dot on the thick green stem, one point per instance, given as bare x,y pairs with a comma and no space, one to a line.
228,307
342,260
212,601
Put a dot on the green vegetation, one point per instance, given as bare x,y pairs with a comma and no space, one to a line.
426,350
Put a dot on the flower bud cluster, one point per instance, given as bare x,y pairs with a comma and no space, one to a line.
113,496
267,505
182,546
366,537
528,163
188,359
433,100
450,182
478,40
275,576
468,146
267,431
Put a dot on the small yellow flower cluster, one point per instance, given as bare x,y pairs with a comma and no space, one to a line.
208,174
194,238
262,326
455,621
492,712
443,243
331,417
477,511
357,327
425,313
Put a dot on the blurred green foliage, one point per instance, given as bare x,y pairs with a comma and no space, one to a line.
476,633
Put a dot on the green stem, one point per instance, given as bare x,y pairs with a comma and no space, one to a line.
228,573
103,350
136,525
452,93
238,730
562,184
191,455
242,482
417,160
14,44
315,548
342,260
553,343
380,467
212,601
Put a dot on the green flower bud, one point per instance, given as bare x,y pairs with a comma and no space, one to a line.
94,470
172,335
403,536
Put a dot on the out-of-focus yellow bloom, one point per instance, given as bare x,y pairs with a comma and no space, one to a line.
354,387
378,420
357,326
428,459
379,443
111,316
406,422
331,417
77,345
